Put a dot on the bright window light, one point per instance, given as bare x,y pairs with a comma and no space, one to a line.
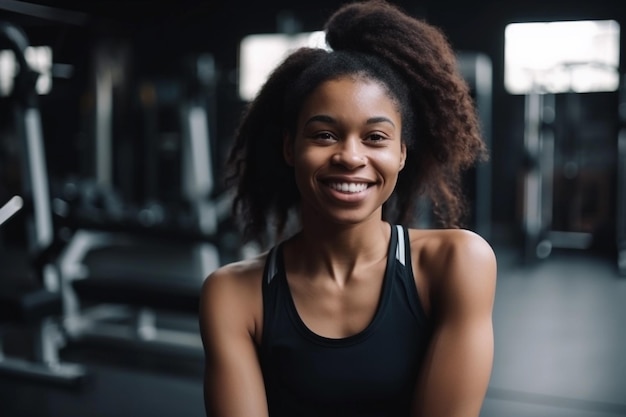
40,60
557,57
260,54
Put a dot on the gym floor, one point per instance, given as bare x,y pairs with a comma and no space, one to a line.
560,352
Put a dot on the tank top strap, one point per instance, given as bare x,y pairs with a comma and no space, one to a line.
403,256
403,248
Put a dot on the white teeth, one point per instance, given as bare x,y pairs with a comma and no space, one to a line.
348,187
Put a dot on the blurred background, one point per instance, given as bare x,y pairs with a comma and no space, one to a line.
115,120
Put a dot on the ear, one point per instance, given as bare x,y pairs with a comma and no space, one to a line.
402,156
288,148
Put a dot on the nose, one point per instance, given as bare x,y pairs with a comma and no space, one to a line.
350,154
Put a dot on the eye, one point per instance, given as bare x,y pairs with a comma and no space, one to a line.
323,136
376,138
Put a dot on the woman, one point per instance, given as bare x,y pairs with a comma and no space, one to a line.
355,313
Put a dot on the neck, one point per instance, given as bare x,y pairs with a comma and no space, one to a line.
336,251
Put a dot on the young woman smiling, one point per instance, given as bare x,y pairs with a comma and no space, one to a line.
355,313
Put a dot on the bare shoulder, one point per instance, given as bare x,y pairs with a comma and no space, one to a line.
450,246
457,257
233,293
235,276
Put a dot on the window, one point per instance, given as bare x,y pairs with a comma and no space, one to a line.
260,54
555,57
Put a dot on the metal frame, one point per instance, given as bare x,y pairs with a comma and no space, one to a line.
48,335
621,182
138,325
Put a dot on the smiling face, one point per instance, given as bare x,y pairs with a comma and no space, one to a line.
347,151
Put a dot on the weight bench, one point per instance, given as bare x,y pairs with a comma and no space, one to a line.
114,293
37,309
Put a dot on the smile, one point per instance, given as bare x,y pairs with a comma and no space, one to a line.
348,187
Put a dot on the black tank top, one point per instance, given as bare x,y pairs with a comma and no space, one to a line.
372,373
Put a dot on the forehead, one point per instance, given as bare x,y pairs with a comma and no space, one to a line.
351,95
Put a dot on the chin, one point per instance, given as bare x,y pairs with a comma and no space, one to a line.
351,219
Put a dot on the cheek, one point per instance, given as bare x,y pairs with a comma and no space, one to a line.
391,162
309,158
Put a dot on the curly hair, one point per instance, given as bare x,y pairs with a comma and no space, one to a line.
416,65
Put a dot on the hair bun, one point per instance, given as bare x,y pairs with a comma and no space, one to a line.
356,26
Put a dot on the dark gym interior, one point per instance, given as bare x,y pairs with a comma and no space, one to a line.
113,210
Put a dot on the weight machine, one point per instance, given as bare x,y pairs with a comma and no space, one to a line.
554,157
127,294
39,308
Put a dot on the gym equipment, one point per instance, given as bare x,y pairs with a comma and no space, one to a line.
567,169
621,181
39,308
117,263
33,307
538,168
7,211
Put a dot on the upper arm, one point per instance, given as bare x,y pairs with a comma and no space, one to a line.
233,383
456,370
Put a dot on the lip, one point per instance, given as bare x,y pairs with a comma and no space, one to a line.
348,179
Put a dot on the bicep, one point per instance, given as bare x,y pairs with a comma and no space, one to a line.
457,367
456,371
233,384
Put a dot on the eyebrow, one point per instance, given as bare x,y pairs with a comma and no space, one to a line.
327,119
